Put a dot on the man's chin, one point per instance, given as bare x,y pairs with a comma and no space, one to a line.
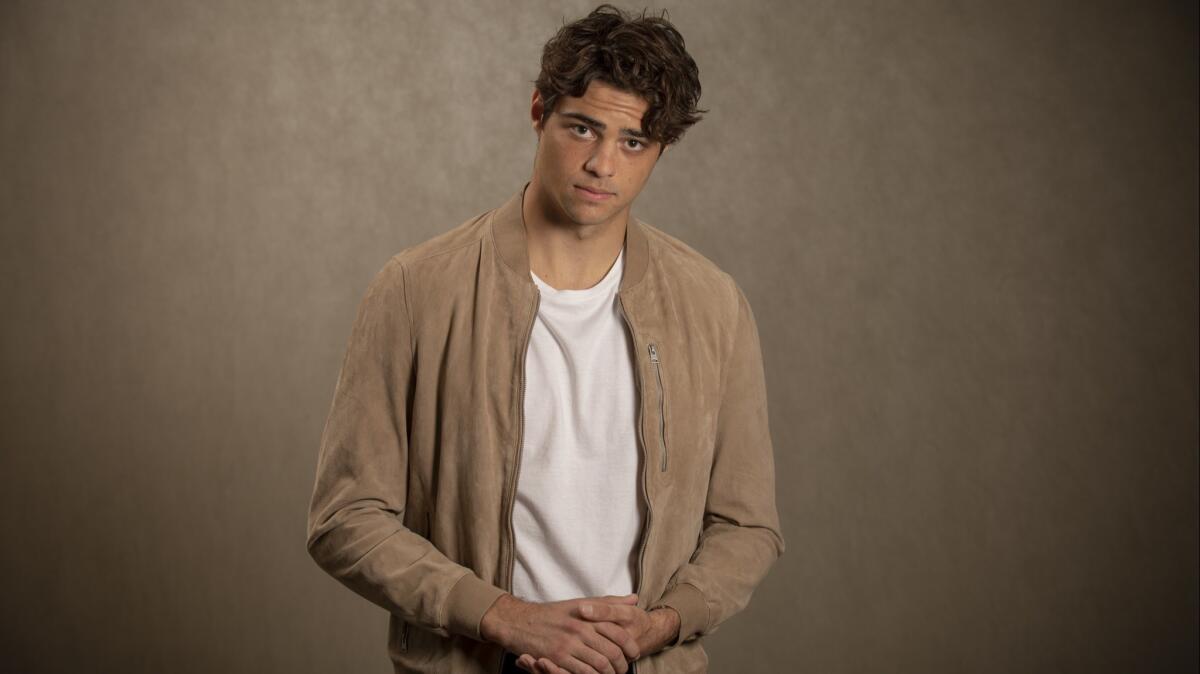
586,215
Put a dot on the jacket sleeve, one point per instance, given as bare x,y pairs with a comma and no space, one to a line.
355,518
741,537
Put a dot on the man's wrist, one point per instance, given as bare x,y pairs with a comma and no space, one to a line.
667,622
492,626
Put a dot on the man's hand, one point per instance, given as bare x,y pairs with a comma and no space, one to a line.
652,630
562,633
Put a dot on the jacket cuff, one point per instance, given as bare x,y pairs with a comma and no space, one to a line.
468,600
688,602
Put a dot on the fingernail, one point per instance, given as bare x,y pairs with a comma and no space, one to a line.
586,609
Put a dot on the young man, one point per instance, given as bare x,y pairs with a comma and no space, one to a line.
548,446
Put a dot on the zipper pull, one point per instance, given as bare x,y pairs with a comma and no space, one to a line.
653,354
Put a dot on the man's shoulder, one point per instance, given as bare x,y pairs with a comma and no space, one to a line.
459,238
435,263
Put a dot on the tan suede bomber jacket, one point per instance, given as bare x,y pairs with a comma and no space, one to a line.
418,467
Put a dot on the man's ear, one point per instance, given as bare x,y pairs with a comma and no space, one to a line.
536,109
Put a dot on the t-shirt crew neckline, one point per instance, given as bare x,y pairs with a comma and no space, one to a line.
602,287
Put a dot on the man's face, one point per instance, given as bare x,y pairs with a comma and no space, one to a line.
592,157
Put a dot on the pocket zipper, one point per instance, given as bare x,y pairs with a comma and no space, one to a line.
404,624
662,418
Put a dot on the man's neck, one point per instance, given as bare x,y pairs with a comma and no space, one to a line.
569,256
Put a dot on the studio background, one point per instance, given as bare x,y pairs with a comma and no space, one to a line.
968,231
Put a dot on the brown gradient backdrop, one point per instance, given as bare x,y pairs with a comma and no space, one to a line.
968,231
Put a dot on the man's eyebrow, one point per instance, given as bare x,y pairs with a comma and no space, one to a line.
636,133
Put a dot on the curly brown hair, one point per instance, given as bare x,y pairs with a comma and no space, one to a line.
643,55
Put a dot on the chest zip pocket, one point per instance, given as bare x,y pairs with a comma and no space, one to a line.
662,408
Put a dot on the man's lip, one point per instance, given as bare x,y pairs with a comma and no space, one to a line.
594,191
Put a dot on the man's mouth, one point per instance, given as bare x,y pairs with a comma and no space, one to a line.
592,193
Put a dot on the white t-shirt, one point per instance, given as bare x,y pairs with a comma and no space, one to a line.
578,511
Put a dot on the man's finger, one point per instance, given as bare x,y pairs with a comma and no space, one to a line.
609,650
587,661
614,599
621,637
617,613
545,666
527,662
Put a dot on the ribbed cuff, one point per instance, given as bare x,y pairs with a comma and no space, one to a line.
688,602
469,599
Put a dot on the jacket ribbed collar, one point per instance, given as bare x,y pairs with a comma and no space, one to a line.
508,234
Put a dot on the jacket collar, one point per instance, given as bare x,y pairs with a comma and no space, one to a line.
508,233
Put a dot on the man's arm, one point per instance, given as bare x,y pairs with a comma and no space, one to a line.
355,519
741,538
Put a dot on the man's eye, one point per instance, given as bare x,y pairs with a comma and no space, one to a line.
636,144
581,129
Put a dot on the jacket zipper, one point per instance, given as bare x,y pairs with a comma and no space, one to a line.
662,417
516,469
512,487
645,453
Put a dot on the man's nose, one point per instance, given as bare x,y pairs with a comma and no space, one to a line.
602,163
